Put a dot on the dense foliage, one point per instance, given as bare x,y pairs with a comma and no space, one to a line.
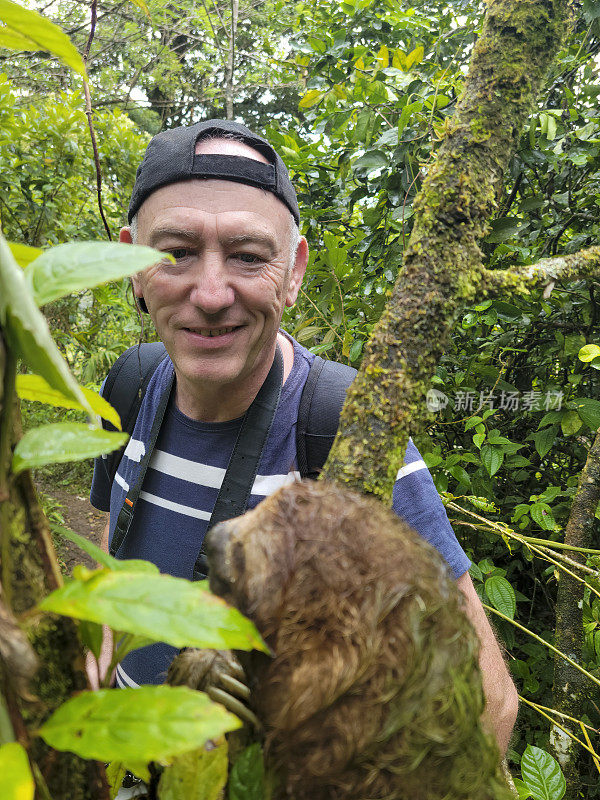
355,96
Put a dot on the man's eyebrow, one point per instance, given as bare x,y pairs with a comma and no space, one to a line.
240,239
177,233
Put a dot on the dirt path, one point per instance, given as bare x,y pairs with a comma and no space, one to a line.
80,516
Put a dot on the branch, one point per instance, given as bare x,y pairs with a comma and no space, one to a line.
520,280
231,61
89,112
442,264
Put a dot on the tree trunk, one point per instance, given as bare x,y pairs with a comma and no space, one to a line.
443,263
29,570
570,686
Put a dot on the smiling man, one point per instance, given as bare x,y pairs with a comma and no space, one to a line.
219,200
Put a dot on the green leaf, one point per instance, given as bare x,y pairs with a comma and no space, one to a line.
198,775
27,330
502,595
60,442
460,474
142,4
36,389
16,780
541,513
115,772
542,774
161,607
589,352
522,790
544,439
22,252
310,98
41,34
371,160
505,228
247,778
478,439
82,265
150,723
95,552
570,423
91,634
492,458
589,411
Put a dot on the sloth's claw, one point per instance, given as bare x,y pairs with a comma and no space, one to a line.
235,686
234,705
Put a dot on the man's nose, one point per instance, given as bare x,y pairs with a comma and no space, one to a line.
212,290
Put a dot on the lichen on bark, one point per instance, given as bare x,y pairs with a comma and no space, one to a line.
442,267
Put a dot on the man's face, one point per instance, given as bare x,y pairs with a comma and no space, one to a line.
218,308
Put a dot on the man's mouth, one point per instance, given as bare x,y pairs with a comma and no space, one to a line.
211,332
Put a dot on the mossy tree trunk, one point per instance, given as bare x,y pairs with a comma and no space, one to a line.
570,686
443,263
41,660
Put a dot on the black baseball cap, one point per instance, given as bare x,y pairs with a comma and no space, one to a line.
170,157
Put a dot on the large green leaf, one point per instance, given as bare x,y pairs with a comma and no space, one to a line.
39,33
63,441
247,778
198,775
544,439
502,595
589,411
151,723
27,330
16,780
82,265
161,607
542,774
22,252
95,552
492,457
35,388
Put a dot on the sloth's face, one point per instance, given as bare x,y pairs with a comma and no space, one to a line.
238,552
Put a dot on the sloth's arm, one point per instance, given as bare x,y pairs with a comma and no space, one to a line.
500,692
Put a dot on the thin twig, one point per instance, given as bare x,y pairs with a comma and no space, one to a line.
89,112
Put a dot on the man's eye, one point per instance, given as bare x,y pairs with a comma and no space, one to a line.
248,258
178,252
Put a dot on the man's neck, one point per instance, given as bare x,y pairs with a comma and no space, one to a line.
222,404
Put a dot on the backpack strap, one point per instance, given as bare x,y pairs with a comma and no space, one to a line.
319,413
124,388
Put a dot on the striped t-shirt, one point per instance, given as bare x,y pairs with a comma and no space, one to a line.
183,480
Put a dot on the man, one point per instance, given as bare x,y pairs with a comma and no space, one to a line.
219,200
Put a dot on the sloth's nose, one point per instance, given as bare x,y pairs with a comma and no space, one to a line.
215,545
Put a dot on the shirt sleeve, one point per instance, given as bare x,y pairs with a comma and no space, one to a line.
417,502
101,484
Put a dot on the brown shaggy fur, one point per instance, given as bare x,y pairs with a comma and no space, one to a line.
373,691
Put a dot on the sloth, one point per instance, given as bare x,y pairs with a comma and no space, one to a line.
373,690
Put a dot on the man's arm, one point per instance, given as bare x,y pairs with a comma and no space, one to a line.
106,650
501,695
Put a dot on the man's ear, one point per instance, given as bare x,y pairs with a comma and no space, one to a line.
125,238
125,235
298,270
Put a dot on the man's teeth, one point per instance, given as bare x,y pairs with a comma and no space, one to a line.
212,331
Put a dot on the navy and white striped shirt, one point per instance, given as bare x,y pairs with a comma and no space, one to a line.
184,477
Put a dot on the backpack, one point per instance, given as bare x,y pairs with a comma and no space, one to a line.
318,414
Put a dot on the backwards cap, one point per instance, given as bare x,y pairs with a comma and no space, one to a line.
170,157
